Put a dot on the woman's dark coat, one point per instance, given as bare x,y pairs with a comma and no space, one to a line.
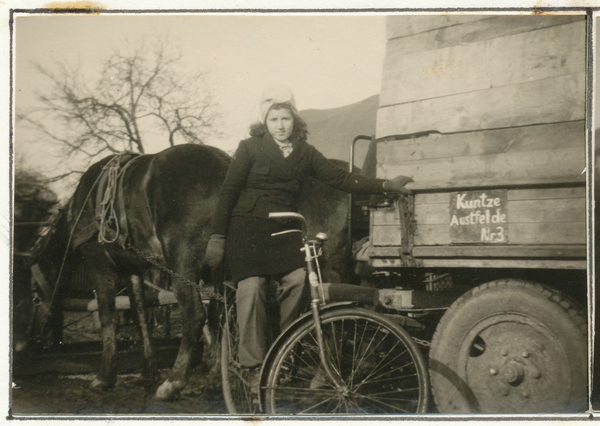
260,180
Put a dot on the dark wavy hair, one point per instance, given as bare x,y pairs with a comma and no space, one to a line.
299,132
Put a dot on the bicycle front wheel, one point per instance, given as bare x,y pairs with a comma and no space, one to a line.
381,368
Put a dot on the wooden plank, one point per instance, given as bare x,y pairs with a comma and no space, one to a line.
546,251
386,235
472,184
432,214
486,263
439,198
511,167
478,30
518,233
428,235
558,251
546,193
385,216
536,102
535,55
406,25
524,211
547,233
557,211
512,195
520,139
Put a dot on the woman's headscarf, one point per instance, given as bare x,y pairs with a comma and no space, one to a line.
275,94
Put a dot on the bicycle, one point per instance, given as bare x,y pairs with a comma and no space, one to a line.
338,358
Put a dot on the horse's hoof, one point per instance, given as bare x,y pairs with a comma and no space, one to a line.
168,391
99,384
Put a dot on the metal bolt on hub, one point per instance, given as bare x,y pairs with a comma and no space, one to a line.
512,373
493,371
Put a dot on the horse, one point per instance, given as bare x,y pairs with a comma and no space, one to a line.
163,204
159,214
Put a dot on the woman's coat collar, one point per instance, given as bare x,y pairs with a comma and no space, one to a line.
272,150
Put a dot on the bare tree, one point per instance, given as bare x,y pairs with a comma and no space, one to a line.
141,89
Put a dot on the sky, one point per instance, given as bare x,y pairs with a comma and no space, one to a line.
327,60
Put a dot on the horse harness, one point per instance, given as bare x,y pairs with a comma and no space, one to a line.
110,190
113,229
111,225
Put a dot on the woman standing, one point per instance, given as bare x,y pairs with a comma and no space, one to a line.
265,176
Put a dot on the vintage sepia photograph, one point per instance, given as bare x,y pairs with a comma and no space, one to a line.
301,213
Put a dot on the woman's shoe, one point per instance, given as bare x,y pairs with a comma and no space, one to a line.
319,380
254,380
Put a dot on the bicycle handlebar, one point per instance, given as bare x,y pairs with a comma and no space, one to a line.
290,215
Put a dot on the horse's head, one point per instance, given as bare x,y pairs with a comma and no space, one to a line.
33,202
34,213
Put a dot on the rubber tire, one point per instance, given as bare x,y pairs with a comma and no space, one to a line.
295,345
236,392
510,346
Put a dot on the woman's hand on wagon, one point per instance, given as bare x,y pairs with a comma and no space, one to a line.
215,251
397,185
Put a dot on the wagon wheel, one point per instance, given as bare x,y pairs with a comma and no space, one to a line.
236,390
510,347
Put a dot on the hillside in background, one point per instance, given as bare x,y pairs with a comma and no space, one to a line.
331,130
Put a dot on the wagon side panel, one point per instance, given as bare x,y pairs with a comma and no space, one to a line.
506,97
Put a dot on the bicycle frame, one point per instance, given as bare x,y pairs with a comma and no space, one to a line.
316,287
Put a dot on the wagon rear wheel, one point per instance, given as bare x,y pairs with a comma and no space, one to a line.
510,347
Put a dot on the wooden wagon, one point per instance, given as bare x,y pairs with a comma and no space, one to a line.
487,114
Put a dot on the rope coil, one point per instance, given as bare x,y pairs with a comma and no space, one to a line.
108,216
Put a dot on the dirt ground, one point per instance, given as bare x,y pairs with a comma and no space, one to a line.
61,386
59,394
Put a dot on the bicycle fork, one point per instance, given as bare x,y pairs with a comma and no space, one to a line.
317,299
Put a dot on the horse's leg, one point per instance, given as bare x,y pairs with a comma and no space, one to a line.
165,311
162,314
192,320
105,278
149,372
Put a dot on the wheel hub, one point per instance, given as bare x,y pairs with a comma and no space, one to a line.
512,373
517,367
510,347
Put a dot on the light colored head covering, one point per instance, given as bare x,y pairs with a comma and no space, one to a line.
275,94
